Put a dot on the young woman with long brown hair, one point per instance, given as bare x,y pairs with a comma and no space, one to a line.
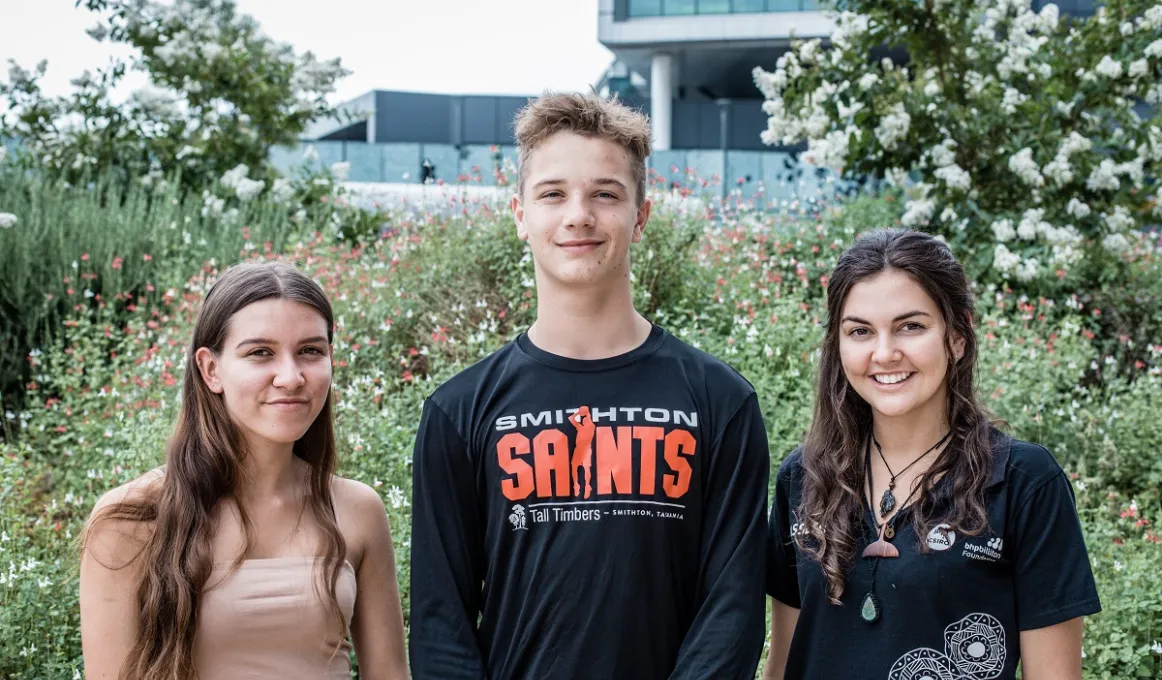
909,537
244,556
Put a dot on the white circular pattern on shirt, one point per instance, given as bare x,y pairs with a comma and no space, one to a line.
976,645
924,664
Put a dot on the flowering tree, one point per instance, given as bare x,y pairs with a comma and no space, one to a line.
221,94
1027,138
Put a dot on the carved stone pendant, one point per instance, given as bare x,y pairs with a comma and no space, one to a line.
887,503
870,611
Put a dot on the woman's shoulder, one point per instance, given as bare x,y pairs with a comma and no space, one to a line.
1029,461
137,490
354,494
117,527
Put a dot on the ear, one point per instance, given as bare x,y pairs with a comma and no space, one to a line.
208,368
643,216
518,213
958,343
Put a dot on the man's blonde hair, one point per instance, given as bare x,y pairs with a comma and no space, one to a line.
589,116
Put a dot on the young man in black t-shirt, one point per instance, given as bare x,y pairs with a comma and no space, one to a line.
589,501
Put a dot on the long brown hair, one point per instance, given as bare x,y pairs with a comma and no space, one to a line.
833,462
204,464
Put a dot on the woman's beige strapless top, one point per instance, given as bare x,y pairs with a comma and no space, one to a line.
267,620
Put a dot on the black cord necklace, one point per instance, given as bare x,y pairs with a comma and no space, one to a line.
888,501
870,609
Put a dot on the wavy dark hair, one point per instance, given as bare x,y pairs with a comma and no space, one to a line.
203,465
833,461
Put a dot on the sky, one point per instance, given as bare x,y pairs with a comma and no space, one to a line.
518,47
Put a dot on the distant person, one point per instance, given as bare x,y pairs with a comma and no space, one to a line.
427,172
909,537
589,501
244,556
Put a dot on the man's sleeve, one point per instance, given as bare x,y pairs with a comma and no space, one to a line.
447,554
1054,581
782,563
726,637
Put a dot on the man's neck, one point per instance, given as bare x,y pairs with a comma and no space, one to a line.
587,324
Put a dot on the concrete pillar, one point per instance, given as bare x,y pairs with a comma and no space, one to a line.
661,100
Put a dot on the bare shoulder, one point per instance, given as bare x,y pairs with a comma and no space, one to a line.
112,538
355,496
136,490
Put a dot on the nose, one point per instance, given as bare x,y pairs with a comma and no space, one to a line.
885,351
288,374
579,213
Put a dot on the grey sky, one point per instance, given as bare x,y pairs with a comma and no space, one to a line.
450,46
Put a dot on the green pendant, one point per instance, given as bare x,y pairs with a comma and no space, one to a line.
870,611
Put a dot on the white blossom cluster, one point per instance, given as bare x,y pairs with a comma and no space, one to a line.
933,130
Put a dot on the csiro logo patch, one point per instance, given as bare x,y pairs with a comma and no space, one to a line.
941,537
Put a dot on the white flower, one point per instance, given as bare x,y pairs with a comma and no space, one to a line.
1154,49
1049,16
1104,176
1027,270
1139,68
1126,28
932,88
247,188
954,177
1074,143
943,154
1120,220
1152,18
1003,230
7,220
809,50
868,80
830,151
1116,243
918,213
948,215
1064,108
893,127
1109,67
1004,260
282,190
1012,99
848,27
1077,209
1023,165
340,171
1032,223
1059,170
232,177
1156,647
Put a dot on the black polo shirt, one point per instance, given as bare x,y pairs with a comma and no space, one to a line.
955,611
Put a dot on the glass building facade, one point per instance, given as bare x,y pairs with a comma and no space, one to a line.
636,9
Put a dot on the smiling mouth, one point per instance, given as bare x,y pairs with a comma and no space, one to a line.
288,403
579,245
892,378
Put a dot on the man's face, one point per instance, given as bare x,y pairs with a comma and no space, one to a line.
578,211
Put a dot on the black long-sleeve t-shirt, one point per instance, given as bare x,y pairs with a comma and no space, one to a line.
589,519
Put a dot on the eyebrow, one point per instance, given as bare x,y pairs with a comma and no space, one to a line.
268,341
601,181
856,319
